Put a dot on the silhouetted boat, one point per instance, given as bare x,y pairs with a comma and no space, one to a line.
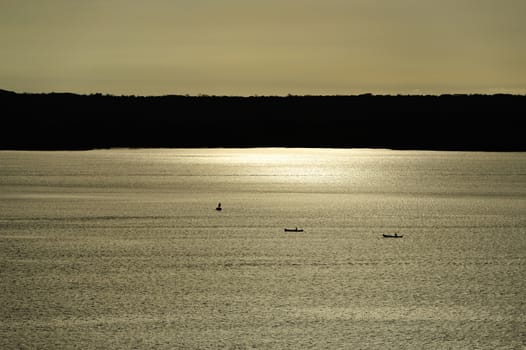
293,229
396,235
218,206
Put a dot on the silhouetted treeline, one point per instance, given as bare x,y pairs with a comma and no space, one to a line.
445,122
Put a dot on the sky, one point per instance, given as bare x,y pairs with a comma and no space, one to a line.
263,47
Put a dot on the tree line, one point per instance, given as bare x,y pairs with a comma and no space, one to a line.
66,121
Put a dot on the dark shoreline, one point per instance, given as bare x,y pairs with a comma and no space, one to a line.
65,121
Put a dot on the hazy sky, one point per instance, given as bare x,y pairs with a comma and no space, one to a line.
263,47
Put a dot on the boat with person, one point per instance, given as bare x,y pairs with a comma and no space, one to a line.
218,208
293,229
396,235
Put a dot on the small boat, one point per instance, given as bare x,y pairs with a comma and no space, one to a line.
218,208
293,229
396,235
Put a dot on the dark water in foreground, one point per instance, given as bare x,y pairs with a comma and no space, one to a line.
123,249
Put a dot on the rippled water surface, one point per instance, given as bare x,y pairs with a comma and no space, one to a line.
124,249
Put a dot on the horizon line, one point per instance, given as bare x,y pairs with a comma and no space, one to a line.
367,94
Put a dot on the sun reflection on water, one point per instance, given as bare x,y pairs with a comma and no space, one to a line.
346,169
307,166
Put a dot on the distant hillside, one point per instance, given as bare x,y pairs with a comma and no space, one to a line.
446,122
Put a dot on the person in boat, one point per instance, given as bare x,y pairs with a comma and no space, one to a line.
396,234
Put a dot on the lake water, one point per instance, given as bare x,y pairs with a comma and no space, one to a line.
123,249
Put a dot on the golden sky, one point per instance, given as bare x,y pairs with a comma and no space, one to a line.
263,47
